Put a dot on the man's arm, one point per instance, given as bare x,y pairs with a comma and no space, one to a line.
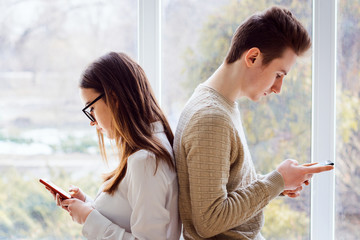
208,141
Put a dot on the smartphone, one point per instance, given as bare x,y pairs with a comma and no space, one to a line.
326,163
63,194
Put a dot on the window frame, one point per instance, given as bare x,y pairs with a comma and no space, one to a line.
323,117
323,93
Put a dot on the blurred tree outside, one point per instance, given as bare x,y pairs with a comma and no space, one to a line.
28,210
348,121
279,127
44,47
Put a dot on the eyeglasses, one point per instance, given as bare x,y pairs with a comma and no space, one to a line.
88,111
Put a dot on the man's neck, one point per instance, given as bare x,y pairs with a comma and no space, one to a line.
227,81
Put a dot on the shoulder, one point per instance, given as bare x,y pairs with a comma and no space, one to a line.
211,113
205,106
140,159
210,118
142,164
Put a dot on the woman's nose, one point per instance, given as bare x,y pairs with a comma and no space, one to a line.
92,123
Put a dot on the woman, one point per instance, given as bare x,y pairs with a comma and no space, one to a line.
139,198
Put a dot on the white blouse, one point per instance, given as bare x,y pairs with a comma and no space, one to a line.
145,206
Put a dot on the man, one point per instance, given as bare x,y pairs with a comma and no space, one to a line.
221,196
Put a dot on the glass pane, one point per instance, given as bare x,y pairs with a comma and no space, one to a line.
347,123
278,127
44,47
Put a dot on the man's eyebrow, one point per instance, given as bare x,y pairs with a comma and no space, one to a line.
285,73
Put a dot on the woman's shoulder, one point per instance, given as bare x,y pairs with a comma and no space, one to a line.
143,162
140,158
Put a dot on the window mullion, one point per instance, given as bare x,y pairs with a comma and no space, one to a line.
149,42
323,134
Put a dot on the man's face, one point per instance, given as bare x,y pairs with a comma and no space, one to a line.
268,79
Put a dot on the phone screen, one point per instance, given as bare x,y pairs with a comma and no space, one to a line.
63,194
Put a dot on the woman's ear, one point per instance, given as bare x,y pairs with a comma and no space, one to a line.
252,56
113,98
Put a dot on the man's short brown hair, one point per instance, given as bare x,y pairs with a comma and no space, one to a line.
272,31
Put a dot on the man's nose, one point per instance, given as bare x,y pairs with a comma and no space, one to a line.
276,88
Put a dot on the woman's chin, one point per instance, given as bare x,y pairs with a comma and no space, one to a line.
109,135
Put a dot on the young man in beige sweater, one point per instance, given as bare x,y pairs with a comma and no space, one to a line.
220,194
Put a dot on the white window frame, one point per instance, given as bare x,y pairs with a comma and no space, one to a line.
323,117
149,42
323,95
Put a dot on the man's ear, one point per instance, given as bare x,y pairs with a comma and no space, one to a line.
252,56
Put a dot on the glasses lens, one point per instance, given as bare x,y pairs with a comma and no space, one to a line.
88,114
87,110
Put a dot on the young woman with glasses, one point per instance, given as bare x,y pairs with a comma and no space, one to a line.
138,199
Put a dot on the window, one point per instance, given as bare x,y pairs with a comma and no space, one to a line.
45,134
44,47
277,128
348,118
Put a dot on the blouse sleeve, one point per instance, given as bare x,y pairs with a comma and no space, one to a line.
147,194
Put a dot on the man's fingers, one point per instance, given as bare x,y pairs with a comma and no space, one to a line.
293,195
293,191
309,164
318,169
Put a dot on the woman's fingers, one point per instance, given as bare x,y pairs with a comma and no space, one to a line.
58,200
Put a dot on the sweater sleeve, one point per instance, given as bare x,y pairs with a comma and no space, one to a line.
147,198
208,142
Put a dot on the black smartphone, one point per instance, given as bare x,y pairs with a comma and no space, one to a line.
326,163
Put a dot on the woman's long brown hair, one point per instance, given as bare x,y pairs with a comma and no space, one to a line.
132,103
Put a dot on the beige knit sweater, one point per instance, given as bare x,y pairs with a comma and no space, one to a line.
220,194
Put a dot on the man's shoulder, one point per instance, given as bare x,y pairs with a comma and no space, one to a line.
204,111
204,104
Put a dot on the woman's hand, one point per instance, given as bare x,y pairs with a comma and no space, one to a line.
76,192
77,209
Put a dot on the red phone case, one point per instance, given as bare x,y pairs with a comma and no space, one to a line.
56,189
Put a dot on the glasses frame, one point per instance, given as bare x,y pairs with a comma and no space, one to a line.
91,117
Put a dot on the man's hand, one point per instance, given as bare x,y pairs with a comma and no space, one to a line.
293,193
295,175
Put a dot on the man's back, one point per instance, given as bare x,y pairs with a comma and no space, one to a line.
219,192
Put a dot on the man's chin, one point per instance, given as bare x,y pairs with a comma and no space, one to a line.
255,98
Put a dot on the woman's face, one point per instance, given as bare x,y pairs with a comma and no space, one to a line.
99,111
